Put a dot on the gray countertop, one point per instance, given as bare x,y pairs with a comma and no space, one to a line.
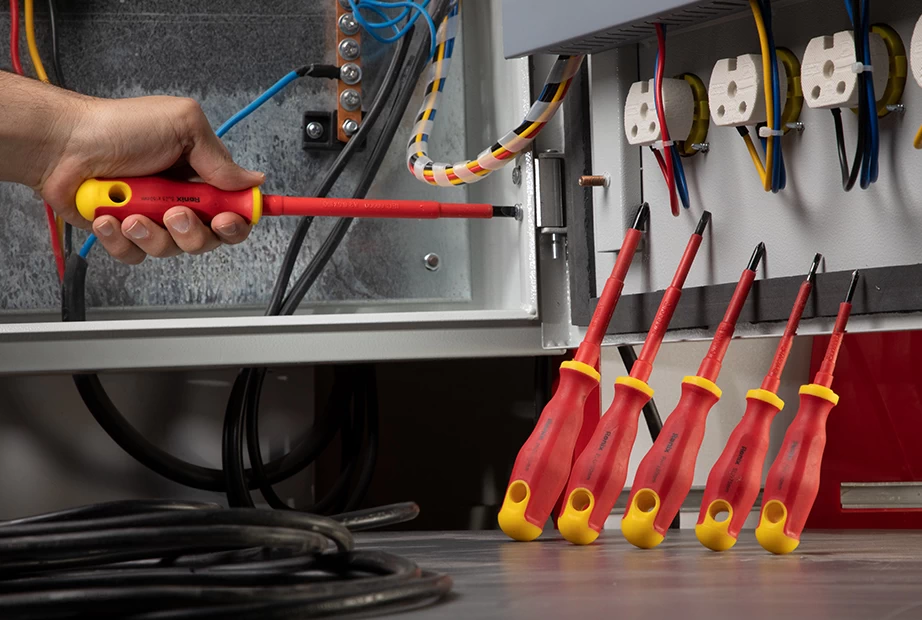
834,574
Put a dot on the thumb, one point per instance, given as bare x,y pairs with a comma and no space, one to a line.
213,162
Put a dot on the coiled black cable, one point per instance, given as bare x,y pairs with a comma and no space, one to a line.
179,561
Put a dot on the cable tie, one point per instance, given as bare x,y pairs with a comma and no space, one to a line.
862,68
661,145
766,132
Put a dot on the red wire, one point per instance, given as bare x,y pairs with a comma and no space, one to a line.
55,241
661,115
14,36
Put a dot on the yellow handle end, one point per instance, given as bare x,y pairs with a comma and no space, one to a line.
512,515
770,532
637,524
712,533
94,193
574,522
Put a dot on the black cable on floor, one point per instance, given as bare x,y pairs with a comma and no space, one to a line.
183,561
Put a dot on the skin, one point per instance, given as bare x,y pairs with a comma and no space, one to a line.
53,140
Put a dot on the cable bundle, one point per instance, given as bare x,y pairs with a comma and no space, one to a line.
177,560
506,148
411,12
772,172
670,165
865,162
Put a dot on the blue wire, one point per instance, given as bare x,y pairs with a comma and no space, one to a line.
376,6
779,178
87,246
263,98
872,99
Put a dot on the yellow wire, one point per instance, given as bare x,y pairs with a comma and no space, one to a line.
769,102
918,140
754,154
33,46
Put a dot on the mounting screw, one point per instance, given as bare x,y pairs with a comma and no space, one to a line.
349,49
350,73
595,180
896,107
796,126
701,147
350,127
432,261
348,24
314,130
517,175
350,99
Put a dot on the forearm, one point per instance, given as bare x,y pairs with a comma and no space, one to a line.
36,123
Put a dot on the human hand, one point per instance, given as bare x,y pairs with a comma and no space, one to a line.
138,137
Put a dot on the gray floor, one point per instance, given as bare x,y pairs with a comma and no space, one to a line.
837,574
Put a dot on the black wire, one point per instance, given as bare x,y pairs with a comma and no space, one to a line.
650,410
850,176
164,560
58,79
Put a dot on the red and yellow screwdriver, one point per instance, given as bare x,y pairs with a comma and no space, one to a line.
153,196
598,475
543,463
736,477
665,474
794,478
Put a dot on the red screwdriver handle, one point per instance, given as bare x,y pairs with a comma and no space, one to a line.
598,475
734,482
794,477
665,474
543,463
154,196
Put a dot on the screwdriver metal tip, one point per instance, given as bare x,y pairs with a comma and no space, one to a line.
811,275
756,257
505,211
640,220
703,223
851,287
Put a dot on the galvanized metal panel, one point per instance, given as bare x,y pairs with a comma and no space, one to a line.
224,53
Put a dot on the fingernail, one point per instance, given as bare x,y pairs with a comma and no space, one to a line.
138,231
179,222
105,229
228,230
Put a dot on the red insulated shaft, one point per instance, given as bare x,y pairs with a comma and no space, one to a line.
543,463
353,207
644,364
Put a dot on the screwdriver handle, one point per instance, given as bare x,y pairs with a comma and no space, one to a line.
665,474
794,477
734,482
154,196
543,464
597,477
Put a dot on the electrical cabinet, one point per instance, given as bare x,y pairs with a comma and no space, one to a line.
503,287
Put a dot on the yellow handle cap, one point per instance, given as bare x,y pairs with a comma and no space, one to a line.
770,532
574,522
637,524
512,519
94,193
712,533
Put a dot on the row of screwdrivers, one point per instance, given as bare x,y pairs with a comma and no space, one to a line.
584,485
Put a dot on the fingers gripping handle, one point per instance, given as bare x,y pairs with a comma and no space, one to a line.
794,477
665,474
154,196
598,475
734,482
543,464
